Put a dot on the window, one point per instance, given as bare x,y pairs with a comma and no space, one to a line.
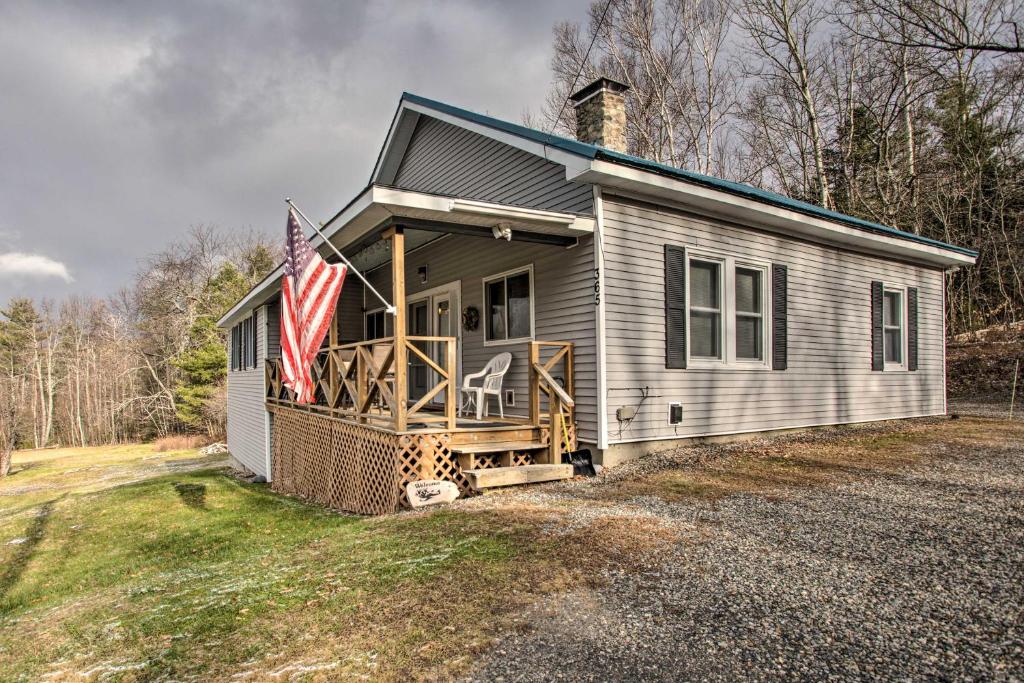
376,322
236,347
508,307
726,318
892,326
243,344
749,314
705,309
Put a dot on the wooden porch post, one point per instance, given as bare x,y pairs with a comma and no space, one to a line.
451,393
397,237
534,358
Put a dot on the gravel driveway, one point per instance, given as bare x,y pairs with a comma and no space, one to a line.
917,575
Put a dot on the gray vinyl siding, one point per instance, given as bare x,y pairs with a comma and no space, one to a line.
564,307
829,379
247,428
350,310
452,161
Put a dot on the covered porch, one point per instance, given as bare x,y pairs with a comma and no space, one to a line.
387,399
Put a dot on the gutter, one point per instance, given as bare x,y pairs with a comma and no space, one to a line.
773,199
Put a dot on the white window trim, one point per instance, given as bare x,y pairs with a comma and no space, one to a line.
727,304
765,270
702,361
244,344
533,297
902,366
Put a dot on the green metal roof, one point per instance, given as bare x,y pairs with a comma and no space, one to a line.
748,191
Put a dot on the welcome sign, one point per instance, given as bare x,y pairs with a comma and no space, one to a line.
431,492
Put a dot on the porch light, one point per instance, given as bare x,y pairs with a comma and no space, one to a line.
502,231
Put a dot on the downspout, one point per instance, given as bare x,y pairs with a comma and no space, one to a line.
599,297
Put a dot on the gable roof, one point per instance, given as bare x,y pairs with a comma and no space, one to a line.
597,153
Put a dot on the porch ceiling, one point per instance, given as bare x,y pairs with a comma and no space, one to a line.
355,231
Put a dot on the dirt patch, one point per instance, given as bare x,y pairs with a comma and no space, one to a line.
179,442
980,366
777,464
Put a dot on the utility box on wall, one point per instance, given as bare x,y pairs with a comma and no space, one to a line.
675,413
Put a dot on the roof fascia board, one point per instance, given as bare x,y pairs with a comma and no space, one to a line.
387,143
717,202
396,145
574,163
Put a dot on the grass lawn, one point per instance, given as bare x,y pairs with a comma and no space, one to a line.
120,563
123,564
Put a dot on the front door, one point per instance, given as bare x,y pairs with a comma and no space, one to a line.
430,315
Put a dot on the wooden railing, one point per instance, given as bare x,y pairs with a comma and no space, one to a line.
561,396
361,382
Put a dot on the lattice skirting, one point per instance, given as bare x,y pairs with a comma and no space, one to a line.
353,467
337,464
360,469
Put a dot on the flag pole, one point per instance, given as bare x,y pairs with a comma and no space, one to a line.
390,308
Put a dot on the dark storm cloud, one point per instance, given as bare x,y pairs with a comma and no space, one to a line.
122,124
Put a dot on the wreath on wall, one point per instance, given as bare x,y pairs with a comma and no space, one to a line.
470,318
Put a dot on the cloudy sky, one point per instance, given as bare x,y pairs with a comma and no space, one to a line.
123,123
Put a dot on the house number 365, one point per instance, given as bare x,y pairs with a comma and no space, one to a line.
597,286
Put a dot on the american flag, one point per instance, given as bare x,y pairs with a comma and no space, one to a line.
309,292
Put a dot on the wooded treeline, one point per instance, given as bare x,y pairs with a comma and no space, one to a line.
902,112
142,364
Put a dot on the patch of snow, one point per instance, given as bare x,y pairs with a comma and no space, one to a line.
17,541
107,670
292,670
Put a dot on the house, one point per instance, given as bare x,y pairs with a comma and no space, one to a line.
642,304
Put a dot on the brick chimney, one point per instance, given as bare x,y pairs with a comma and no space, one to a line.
601,114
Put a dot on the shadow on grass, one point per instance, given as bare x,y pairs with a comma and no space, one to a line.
193,495
21,468
27,549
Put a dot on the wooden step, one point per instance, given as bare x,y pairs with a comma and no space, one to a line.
497,447
510,476
495,434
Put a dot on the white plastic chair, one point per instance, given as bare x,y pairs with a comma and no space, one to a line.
476,396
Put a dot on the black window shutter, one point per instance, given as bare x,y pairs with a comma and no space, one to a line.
877,350
912,328
675,307
253,339
245,344
779,317
243,348
234,347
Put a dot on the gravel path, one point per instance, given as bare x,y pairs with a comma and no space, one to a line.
913,576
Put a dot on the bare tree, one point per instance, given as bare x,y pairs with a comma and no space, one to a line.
787,50
671,54
942,25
